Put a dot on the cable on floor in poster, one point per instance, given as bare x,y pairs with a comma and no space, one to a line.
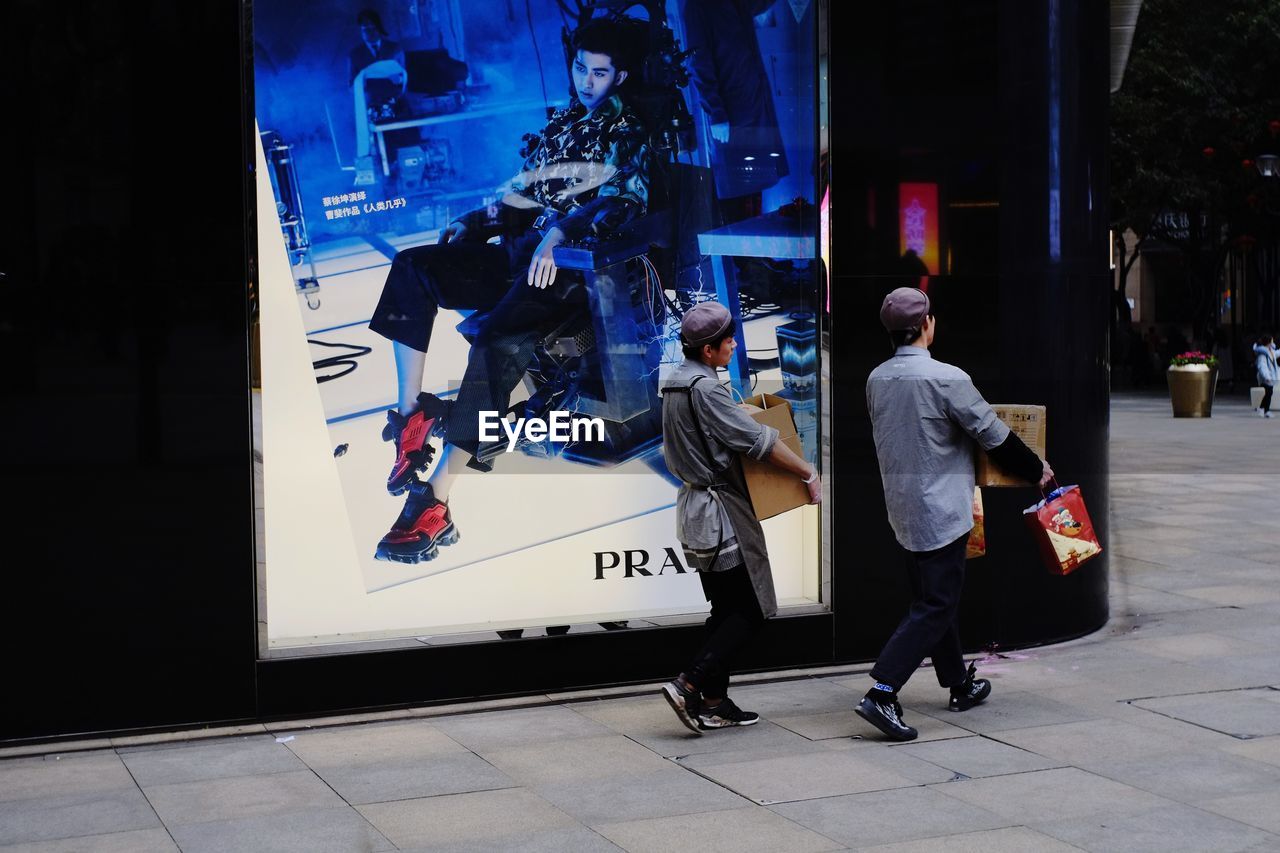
346,360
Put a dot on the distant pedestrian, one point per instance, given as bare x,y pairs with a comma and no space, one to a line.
926,417
1268,375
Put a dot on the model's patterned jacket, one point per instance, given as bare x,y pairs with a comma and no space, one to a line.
581,167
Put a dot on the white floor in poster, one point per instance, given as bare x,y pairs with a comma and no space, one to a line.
531,541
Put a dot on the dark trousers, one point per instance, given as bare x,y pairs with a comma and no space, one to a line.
424,279
735,618
931,627
478,276
504,348
1267,391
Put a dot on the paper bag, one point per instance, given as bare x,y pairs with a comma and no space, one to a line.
1062,528
1028,422
773,491
977,544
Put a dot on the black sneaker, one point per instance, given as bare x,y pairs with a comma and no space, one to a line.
887,717
684,702
973,692
726,714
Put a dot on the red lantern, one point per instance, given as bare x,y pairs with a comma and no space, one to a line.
1274,127
1208,153
1246,164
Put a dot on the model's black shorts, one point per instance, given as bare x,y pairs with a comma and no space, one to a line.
457,276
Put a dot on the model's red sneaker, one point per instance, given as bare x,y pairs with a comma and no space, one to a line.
423,526
412,437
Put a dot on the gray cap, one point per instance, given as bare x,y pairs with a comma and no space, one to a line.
904,308
704,322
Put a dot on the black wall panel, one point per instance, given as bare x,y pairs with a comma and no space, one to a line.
128,541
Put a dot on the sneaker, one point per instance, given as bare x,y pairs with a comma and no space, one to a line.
423,526
1262,413
411,436
1268,414
887,717
684,702
726,714
973,691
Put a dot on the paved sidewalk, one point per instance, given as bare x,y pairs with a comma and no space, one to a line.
1160,732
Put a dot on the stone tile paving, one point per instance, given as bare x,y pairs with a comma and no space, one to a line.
1160,732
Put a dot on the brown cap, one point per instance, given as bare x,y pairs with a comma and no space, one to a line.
904,308
704,322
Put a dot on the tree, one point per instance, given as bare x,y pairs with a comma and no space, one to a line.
1200,99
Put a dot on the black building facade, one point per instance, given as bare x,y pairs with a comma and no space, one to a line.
130,540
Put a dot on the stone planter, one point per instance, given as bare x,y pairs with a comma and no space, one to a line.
1191,388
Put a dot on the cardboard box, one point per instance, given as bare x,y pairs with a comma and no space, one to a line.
773,491
1028,422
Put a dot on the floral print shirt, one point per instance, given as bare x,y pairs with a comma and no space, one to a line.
583,163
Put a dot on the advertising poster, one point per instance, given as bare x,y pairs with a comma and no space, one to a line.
479,224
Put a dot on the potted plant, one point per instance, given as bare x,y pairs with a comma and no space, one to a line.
1193,377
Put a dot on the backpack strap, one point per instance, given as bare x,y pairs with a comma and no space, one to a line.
687,390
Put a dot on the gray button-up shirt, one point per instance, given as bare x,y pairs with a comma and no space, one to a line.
925,417
700,519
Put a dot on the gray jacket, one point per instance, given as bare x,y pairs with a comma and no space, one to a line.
728,430
1268,373
706,518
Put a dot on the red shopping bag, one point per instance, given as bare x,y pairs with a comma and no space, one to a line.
1062,528
977,544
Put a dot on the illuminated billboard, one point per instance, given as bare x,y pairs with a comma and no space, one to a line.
918,223
476,237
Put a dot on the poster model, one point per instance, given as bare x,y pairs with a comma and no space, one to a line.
478,227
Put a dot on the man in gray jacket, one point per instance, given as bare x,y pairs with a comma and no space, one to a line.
703,434
926,417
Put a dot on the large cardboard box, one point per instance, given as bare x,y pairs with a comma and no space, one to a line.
1028,422
773,491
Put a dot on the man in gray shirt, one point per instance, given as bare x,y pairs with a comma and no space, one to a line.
703,435
926,417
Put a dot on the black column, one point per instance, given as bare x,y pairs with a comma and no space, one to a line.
127,529
1002,107
1054,280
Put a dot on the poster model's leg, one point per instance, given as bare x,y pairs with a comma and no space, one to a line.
444,474
410,364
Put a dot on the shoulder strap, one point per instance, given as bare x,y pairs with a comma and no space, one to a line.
687,390
693,410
